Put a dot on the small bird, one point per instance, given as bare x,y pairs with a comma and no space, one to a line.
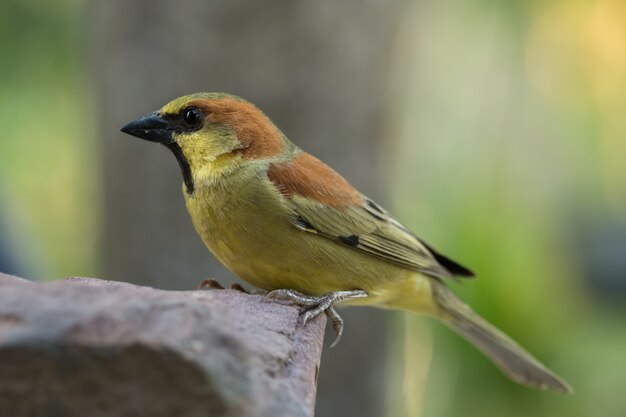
287,223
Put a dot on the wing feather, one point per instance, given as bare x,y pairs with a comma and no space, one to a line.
326,204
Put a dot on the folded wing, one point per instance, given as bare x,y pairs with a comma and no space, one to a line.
324,203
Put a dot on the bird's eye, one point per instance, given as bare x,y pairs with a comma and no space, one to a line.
192,116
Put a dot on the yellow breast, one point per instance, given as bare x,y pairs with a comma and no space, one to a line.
247,224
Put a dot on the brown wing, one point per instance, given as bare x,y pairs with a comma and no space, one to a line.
326,204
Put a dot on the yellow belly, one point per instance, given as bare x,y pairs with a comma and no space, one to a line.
247,226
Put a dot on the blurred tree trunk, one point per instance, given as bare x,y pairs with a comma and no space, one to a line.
317,68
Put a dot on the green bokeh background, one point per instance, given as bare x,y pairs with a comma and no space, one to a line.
506,147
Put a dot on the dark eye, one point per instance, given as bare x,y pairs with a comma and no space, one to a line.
192,116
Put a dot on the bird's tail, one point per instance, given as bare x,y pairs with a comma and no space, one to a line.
511,358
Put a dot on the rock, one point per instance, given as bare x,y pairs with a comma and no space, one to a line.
87,347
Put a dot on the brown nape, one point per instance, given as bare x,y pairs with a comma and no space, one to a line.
254,129
309,177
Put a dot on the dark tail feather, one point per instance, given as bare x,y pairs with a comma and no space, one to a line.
510,357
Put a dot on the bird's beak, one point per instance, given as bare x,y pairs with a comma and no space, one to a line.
152,127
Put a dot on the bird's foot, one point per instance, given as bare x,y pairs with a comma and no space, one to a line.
317,305
212,284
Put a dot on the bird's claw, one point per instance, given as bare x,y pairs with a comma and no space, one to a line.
293,296
317,305
238,287
212,284
337,325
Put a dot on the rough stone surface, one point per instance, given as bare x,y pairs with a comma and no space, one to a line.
87,347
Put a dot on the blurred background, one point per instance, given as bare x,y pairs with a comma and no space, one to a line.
495,130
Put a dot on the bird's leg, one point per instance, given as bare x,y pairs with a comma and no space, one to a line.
317,305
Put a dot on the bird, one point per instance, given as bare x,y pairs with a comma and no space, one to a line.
290,225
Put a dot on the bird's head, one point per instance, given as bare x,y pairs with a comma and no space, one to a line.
208,129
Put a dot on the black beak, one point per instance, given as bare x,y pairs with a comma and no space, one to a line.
152,127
